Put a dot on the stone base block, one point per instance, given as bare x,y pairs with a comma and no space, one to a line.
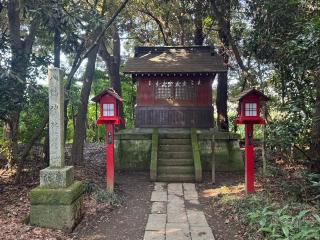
56,177
57,208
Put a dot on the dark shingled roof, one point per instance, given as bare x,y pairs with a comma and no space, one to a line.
195,59
107,91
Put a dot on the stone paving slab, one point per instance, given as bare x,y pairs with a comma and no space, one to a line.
201,233
160,186
175,204
176,214
175,189
159,196
156,222
154,235
190,195
189,187
159,207
193,202
177,231
197,218
175,198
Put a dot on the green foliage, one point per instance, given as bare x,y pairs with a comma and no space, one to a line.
111,199
285,35
271,220
289,129
89,187
129,99
281,223
33,111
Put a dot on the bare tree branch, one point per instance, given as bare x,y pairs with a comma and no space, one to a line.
158,22
222,23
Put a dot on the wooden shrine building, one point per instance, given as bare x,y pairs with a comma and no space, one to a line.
174,86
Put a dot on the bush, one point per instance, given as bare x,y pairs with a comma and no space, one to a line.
111,199
280,223
89,187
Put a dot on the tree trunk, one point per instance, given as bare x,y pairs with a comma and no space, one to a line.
20,54
222,88
113,64
198,32
315,141
11,126
221,102
80,129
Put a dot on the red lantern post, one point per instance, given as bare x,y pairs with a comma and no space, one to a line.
249,114
110,103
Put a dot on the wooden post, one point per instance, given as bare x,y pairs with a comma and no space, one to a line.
249,154
110,156
213,159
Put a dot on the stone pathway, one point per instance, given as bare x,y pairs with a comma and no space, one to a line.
176,214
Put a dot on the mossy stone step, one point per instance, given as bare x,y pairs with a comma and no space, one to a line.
176,178
175,170
175,141
174,135
175,148
174,155
175,162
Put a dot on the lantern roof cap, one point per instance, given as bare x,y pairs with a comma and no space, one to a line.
252,91
109,91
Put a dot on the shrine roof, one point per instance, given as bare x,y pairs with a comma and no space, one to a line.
194,59
251,91
109,91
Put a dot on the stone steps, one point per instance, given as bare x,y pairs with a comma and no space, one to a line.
176,170
175,155
175,158
175,141
175,162
174,136
175,148
176,177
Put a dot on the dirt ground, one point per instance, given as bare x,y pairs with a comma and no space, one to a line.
101,221
222,223
126,222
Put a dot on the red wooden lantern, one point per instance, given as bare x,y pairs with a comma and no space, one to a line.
249,114
110,103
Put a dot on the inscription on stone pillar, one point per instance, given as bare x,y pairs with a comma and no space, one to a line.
56,117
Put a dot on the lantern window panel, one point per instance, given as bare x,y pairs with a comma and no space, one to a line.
251,109
108,110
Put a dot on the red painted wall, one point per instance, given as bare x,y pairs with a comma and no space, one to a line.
146,91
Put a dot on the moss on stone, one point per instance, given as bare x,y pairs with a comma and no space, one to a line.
56,196
63,217
133,155
196,155
154,155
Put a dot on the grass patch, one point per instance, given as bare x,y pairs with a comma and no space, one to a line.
111,199
266,218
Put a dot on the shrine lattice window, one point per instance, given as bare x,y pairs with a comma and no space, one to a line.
178,91
184,92
164,91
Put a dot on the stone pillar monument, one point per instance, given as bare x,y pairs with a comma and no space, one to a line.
57,202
